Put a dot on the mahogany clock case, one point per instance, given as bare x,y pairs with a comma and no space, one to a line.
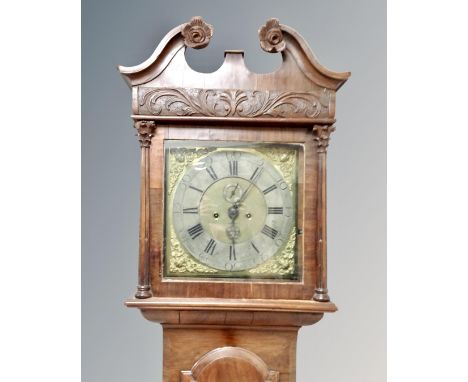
354,337
294,104
185,120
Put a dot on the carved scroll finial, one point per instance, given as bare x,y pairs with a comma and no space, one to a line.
197,33
145,132
322,136
271,37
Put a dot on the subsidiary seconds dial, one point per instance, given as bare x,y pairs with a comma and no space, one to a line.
232,210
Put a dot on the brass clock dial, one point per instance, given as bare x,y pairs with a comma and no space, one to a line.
232,209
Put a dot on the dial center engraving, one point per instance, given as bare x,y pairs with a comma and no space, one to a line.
233,192
232,221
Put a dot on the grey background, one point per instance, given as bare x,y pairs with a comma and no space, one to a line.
117,343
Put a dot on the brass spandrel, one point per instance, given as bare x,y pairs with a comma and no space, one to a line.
283,263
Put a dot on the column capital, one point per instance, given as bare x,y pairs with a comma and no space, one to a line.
322,136
145,131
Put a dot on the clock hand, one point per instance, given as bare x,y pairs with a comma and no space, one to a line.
233,212
244,195
231,231
252,183
235,189
233,253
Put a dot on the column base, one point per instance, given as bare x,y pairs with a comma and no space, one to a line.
321,295
143,291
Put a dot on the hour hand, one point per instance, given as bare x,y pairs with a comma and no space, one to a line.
232,251
232,231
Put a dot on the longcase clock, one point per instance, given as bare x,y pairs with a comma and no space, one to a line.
233,246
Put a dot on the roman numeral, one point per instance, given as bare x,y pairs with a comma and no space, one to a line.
233,167
275,210
256,174
254,247
269,189
232,252
192,210
270,232
212,173
210,247
195,231
196,189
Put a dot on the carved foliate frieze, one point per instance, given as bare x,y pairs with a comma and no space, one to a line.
322,135
234,103
145,131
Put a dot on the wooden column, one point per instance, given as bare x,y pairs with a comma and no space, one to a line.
322,136
145,133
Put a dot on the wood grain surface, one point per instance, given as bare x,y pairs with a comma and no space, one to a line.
230,364
231,329
307,217
271,350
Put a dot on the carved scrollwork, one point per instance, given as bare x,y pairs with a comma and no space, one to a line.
322,136
233,103
145,132
197,33
271,37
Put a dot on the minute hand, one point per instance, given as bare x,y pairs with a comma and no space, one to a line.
253,180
